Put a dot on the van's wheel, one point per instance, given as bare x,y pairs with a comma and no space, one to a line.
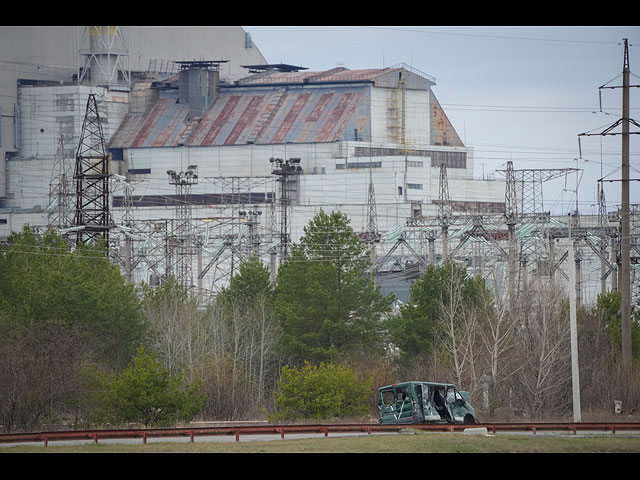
468,419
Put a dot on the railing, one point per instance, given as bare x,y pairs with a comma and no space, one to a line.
242,430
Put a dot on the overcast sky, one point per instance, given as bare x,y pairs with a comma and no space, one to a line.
512,93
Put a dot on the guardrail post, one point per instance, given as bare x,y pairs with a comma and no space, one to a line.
191,436
46,441
237,435
95,438
326,432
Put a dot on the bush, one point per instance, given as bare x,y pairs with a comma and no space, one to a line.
147,393
320,392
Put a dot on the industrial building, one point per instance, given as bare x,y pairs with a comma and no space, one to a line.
215,155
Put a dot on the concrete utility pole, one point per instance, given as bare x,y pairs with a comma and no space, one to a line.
575,372
624,217
624,282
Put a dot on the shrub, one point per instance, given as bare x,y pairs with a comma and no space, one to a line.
320,392
147,393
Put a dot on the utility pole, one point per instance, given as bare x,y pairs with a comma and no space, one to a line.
624,284
575,373
624,217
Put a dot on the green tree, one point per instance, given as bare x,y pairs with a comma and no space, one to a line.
44,282
146,392
252,281
320,392
416,331
608,308
326,303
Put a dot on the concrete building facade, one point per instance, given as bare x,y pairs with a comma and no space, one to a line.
228,119
65,55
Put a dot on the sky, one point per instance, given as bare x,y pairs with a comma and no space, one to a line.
524,94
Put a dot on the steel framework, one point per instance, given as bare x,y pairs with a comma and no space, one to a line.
92,219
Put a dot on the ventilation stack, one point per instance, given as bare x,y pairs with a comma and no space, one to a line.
106,52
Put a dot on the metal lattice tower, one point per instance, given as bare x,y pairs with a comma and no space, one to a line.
511,218
92,218
444,209
530,198
182,245
60,211
372,233
510,196
284,169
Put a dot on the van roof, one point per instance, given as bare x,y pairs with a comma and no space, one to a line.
437,384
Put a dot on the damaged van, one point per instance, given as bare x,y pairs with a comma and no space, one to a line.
424,402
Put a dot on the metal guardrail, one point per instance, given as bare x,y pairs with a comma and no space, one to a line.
241,430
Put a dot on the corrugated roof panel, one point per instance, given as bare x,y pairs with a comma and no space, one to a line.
288,117
238,116
159,126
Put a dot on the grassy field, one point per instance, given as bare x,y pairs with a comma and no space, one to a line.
414,442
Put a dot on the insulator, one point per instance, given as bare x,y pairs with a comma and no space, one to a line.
579,148
600,99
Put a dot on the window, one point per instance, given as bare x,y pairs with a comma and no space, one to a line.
438,157
342,166
414,186
388,397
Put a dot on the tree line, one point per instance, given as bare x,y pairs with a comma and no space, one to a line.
81,347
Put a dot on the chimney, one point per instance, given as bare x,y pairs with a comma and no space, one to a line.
198,84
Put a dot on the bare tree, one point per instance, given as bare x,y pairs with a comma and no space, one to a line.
40,369
496,333
542,373
177,334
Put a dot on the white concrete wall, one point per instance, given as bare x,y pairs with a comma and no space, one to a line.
417,116
46,113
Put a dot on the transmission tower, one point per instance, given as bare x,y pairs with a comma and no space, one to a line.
60,211
372,234
92,219
444,209
511,217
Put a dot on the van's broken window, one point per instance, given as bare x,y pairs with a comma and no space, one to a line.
388,397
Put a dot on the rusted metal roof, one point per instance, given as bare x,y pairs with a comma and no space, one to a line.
276,115
268,108
163,124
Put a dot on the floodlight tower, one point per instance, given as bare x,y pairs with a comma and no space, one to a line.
284,169
182,243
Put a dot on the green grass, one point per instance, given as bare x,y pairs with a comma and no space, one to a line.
396,443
